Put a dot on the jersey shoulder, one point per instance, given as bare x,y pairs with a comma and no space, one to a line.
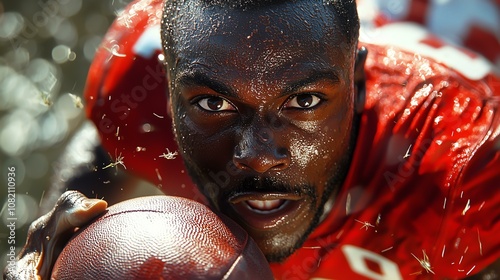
126,99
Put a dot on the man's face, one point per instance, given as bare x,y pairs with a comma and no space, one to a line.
263,104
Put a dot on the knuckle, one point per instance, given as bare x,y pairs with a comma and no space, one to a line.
36,226
69,199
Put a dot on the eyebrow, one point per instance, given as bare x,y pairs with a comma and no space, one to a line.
318,75
190,78
196,78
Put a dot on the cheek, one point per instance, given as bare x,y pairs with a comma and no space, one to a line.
187,138
186,132
304,152
202,144
317,152
337,132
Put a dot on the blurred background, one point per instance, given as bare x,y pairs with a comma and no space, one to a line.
46,47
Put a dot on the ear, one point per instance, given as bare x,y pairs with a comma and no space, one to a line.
169,94
162,60
360,79
169,104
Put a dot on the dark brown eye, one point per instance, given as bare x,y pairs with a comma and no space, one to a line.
303,101
215,104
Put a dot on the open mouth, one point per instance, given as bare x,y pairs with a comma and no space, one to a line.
265,205
264,211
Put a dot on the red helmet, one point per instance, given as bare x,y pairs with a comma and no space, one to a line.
126,98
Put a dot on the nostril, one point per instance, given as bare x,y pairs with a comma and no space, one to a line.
280,166
240,165
282,159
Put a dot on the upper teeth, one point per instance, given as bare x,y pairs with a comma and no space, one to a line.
264,204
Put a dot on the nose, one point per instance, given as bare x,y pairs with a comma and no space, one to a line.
257,151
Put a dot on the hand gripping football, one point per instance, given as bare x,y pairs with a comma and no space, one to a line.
161,237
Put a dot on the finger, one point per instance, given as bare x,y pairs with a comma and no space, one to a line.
48,235
88,210
73,209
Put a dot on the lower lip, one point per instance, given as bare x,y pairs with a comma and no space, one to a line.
267,219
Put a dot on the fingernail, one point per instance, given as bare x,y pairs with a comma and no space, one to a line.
88,203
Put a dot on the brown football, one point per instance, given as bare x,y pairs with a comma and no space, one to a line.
161,237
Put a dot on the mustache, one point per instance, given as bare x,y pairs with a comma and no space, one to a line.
269,185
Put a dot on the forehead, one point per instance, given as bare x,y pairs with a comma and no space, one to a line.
258,39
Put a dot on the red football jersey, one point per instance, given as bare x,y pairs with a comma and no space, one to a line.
126,98
421,198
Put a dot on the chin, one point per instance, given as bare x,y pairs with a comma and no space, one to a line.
278,249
